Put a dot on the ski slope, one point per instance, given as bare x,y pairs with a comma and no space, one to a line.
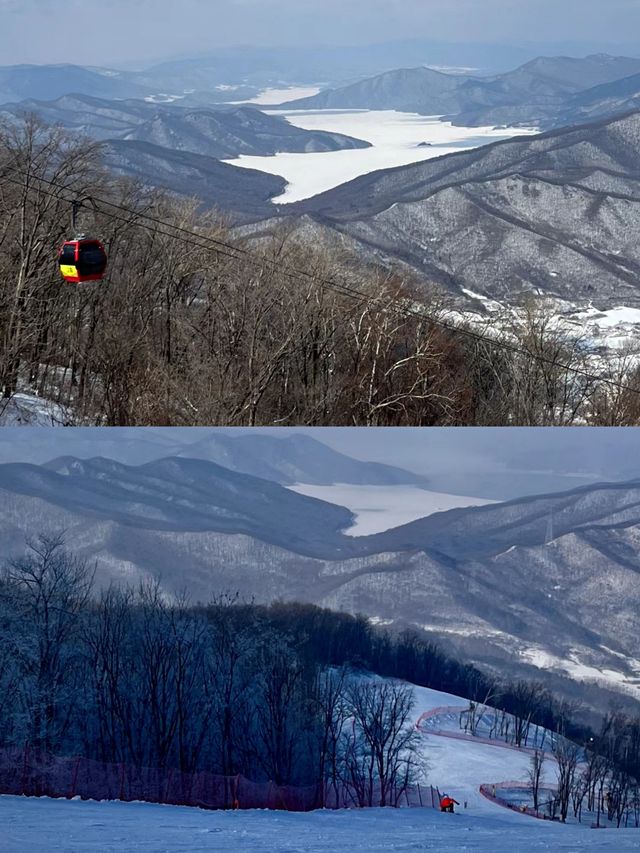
457,767
49,826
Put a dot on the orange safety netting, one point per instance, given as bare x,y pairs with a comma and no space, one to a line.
31,772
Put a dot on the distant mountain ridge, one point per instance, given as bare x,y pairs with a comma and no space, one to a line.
538,93
295,459
243,194
46,82
224,132
181,495
286,459
234,72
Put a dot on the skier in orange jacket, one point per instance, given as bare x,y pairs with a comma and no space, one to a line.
447,803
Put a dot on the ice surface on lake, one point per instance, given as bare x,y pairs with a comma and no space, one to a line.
379,508
270,97
397,139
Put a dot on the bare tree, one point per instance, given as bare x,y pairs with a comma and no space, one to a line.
566,755
333,711
535,772
383,755
48,590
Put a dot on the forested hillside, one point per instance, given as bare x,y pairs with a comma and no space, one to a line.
191,326
275,693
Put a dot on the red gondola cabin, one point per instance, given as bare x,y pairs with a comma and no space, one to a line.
82,260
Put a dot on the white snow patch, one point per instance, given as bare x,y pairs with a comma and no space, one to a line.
490,304
380,508
616,330
477,630
28,410
611,318
577,669
163,98
453,69
395,137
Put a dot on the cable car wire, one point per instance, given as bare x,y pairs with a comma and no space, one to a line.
229,250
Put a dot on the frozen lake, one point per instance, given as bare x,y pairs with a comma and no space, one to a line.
396,138
271,97
379,508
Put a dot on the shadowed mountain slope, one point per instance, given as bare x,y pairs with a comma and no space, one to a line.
547,586
224,132
557,214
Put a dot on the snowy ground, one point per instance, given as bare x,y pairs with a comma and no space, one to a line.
48,826
614,331
28,410
581,671
379,508
396,140
457,767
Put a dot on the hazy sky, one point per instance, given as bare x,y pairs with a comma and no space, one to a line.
114,31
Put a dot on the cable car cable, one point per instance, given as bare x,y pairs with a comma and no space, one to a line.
214,245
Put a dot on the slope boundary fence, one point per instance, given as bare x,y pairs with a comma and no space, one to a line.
466,736
491,792
32,773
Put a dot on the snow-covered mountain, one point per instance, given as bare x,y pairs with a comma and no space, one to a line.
223,132
240,193
555,214
286,459
18,82
294,459
180,148
547,586
180,496
544,92
535,93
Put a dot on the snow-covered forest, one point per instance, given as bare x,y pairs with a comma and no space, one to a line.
186,331
273,694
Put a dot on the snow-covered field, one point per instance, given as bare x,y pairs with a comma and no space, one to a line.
379,508
456,767
396,140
